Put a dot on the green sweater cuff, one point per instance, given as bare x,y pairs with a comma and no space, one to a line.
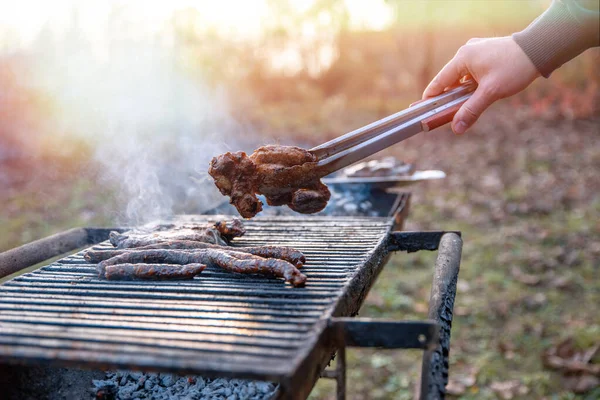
560,34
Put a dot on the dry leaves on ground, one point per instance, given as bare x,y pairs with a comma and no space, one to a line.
580,369
509,389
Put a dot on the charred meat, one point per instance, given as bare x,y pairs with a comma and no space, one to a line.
230,229
220,233
285,175
168,254
153,272
232,261
290,255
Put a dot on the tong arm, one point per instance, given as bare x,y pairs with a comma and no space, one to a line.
376,128
361,143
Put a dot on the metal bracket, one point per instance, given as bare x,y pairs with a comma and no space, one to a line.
415,241
29,254
384,334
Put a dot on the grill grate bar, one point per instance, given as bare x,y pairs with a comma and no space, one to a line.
202,281
207,282
167,295
231,366
200,322
166,342
214,316
199,330
137,346
92,333
283,309
252,290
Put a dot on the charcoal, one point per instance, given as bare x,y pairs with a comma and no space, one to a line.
167,380
263,387
136,376
149,384
130,385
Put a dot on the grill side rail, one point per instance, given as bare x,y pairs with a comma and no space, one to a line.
27,255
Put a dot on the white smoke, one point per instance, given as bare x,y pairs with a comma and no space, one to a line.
154,125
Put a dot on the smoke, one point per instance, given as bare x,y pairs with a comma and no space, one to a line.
153,124
161,130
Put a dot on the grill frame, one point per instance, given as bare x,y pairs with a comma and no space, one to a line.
326,339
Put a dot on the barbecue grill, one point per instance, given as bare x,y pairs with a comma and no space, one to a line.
222,324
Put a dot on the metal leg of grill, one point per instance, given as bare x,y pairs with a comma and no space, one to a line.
341,374
434,374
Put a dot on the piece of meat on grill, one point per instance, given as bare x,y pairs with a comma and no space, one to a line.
283,174
288,254
154,272
232,261
122,241
230,229
219,233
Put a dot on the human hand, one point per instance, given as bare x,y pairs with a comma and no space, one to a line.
498,65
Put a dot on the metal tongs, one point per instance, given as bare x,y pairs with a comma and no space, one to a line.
423,115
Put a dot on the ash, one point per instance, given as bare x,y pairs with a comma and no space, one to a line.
353,201
130,385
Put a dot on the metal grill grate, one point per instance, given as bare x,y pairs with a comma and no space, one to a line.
218,324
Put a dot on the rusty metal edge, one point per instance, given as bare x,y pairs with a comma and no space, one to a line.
434,373
27,255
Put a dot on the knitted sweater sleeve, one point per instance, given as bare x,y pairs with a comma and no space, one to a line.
565,30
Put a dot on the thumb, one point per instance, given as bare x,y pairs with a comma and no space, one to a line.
471,110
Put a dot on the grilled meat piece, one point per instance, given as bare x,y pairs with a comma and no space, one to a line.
230,229
220,233
244,263
234,176
128,272
229,260
121,241
290,255
310,201
283,174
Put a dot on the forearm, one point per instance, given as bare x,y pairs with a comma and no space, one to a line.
565,30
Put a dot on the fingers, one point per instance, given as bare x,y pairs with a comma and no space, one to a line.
449,75
468,114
